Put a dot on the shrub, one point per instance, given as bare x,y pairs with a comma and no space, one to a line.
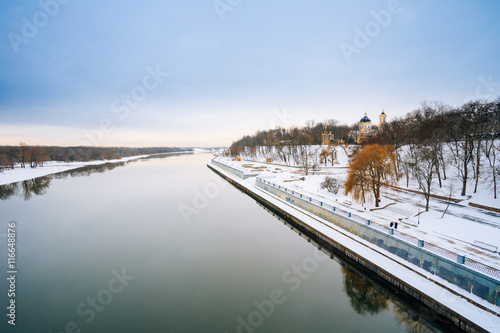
331,185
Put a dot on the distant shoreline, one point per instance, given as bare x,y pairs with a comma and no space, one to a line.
18,174
15,175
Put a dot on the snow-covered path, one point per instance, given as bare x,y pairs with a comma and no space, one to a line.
457,231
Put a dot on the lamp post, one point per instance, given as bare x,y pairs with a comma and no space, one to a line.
418,215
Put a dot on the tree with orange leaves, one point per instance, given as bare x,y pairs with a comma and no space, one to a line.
370,169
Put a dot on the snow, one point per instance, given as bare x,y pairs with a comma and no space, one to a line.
422,280
261,153
456,230
484,194
19,174
202,150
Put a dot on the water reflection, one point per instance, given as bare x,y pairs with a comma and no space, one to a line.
25,189
6,191
412,321
197,277
368,297
364,298
38,186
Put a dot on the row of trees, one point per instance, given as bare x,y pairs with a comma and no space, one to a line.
375,166
35,156
311,132
296,152
424,143
468,133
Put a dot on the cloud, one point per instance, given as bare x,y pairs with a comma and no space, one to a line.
231,74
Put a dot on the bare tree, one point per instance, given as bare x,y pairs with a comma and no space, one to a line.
437,146
331,184
450,191
424,171
282,152
323,156
408,162
328,154
3,162
310,124
461,124
306,158
332,154
490,148
490,151
480,111
36,156
23,148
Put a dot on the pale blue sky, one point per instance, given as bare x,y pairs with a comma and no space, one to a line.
65,70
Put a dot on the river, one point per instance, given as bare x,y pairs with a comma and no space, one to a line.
165,245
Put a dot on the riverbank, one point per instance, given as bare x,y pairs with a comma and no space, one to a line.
19,174
467,311
454,227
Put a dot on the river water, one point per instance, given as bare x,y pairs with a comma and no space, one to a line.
165,245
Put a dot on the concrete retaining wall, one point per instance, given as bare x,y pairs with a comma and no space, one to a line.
234,171
411,294
476,282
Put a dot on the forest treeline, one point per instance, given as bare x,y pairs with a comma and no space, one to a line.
432,120
34,156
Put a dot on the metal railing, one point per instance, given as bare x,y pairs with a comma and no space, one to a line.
437,250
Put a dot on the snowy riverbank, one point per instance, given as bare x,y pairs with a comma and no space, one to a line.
19,174
454,227
452,296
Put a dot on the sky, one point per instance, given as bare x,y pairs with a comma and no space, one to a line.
207,72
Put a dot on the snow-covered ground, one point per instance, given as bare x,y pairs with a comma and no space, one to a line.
286,156
203,150
456,230
456,300
19,174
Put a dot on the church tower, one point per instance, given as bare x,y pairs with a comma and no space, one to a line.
382,121
327,137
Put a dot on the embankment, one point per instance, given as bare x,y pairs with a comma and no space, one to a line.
440,314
